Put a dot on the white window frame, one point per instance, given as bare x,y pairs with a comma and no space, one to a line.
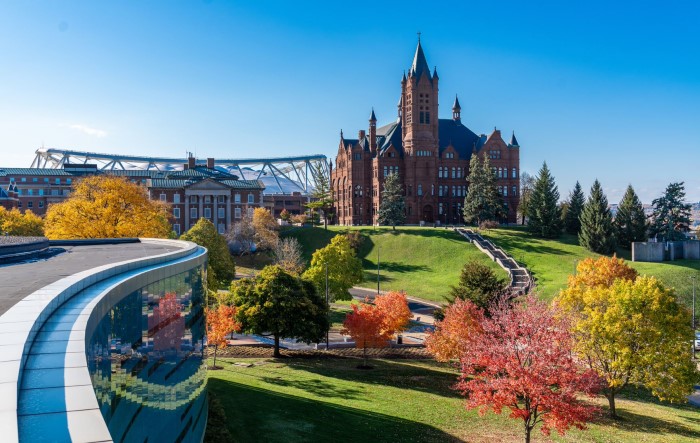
222,213
176,228
193,213
237,213
237,198
251,198
176,198
163,197
207,213
176,212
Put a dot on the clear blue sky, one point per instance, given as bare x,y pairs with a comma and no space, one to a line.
597,89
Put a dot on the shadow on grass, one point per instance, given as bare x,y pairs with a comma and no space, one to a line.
528,243
259,415
633,422
316,387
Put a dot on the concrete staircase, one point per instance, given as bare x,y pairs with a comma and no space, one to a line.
520,279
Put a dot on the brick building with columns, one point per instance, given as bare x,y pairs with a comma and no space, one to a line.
430,154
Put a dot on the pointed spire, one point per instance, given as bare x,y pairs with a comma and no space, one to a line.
404,76
513,140
456,110
372,117
420,64
435,73
341,135
456,106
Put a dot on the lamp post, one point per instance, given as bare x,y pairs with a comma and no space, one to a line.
329,310
377,269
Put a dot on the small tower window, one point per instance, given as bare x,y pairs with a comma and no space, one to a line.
422,117
427,118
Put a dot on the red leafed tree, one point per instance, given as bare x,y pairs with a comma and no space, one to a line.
365,324
451,336
522,361
220,322
394,307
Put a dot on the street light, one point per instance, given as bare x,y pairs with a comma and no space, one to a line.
377,269
693,278
329,311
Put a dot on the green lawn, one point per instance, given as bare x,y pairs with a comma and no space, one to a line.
552,261
424,262
322,400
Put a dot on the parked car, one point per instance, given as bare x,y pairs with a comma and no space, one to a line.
697,340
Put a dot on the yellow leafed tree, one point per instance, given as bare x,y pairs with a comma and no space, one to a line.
104,206
629,329
266,236
26,224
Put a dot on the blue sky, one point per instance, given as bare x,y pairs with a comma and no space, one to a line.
607,90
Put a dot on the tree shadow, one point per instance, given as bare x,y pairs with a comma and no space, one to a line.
276,417
528,243
317,387
633,422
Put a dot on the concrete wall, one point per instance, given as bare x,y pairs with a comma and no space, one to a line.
665,251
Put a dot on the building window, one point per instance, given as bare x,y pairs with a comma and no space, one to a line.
505,191
420,189
357,156
35,179
176,212
494,154
386,171
193,199
422,118
222,199
176,228
514,191
207,212
237,213
440,208
440,172
176,198
237,198
193,213
515,173
222,213
19,204
427,118
58,181
162,197
41,204
24,179
41,192
251,199
454,172
222,228
30,204
207,199
69,181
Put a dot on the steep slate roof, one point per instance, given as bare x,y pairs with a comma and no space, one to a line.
449,132
513,140
161,183
420,64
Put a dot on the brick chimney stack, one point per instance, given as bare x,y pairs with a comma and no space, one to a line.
210,163
191,161
361,134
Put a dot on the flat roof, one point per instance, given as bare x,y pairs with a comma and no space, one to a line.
17,280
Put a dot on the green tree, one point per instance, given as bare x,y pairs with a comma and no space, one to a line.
344,268
671,217
482,202
572,223
478,284
392,210
282,305
544,212
597,230
631,330
322,195
630,221
527,184
221,269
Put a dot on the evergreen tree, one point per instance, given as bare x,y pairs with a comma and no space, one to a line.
322,195
597,230
630,221
482,201
572,224
671,217
392,210
543,209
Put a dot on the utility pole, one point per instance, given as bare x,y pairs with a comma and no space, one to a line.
329,310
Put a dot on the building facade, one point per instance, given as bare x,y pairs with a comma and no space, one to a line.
430,154
194,192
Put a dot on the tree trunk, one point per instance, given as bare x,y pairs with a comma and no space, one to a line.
393,227
364,351
277,346
611,402
216,348
528,431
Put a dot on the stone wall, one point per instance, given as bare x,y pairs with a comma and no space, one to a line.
665,251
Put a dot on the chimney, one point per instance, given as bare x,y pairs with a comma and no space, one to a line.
210,163
191,162
185,166
361,134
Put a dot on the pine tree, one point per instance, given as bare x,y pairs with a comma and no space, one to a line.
630,221
392,209
671,217
482,201
597,230
543,209
572,224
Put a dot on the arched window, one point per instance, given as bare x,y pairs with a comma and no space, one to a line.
515,173
420,189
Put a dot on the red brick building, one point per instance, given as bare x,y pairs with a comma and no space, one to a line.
431,156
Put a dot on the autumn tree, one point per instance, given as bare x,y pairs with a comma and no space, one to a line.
220,269
107,206
22,224
575,203
629,329
479,284
450,338
671,216
392,209
265,227
241,235
630,221
285,215
394,307
322,195
221,321
521,361
288,255
344,268
282,305
543,211
482,202
527,184
365,324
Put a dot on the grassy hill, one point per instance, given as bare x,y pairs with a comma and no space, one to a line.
552,261
424,262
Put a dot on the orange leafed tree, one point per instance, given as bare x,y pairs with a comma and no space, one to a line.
366,325
452,334
220,322
601,272
394,306
104,206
